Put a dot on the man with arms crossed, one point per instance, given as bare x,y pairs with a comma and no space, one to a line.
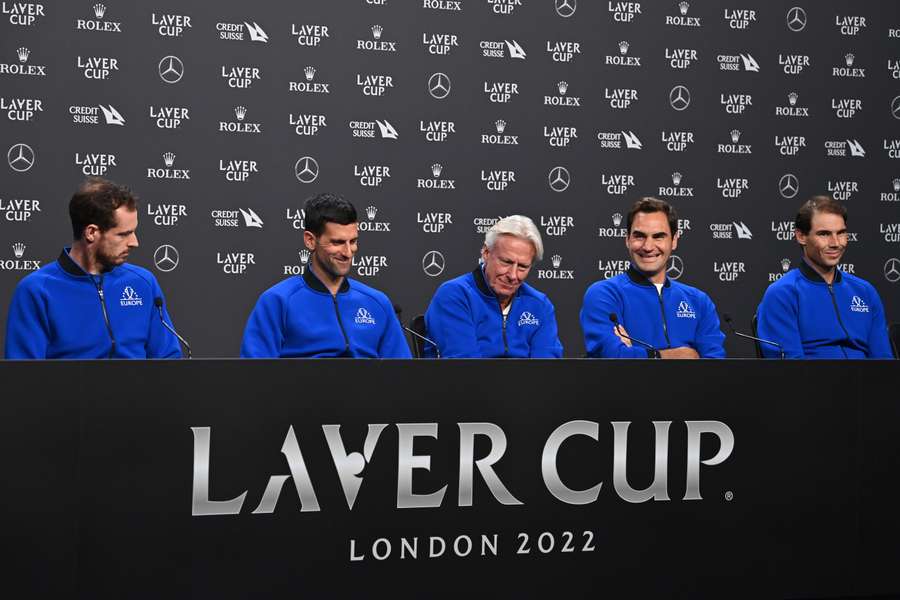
678,320
816,310
89,303
491,312
324,313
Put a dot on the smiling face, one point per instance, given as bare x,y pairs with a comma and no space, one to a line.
650,244
826,242
333,251
507,264
111,247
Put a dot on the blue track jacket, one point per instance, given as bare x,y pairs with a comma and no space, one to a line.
465,320
681,316
300,318
812,319
60,311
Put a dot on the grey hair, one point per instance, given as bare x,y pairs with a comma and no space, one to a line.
518,226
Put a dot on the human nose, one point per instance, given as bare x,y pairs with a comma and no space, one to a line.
133,243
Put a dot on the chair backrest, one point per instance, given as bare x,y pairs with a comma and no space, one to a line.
894,334
417,324
753,321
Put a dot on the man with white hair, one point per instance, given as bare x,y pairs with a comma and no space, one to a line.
491,312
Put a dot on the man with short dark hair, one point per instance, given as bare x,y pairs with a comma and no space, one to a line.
89,303
816,310
678,320
324,313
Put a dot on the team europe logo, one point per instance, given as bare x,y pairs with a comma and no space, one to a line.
364,317
526,318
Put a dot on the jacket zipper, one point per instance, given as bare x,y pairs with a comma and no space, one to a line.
337,313
112,338
838,314
503,330
662,312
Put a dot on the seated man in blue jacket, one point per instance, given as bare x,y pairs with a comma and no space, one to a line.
324,313
89,303
817,311
491,312
678,320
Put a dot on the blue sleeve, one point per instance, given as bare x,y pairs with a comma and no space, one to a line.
27,326
161,343
393,343
599,338
879,343
709,338
778,320
264,333
449,323
545,341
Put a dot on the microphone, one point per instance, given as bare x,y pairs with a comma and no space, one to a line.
424,339
159,306
727,318
615,319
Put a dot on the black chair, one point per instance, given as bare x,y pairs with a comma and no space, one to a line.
759,353
417,324
894,334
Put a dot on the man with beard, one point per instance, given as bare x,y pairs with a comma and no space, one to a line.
324,313
818,311
89,303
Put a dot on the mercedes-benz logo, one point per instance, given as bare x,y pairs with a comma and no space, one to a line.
20,157
895,107
171,69
433,263
680,97
796,19
559,179
788,185
675,268
306,169
892,270
439,86
165,258
566,8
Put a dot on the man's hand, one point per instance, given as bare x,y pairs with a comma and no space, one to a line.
619,330
682,352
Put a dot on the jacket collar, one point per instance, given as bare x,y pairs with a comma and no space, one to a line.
313,282
68,264
639,278
483,287
811,274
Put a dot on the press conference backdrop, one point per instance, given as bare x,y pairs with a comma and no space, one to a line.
437,117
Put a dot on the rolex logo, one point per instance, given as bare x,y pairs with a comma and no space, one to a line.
501,125
556,259
683,8
436,169
785,265
849,58
562,86
99,10
792,98
309,73
897,185
676,178
623,47
23,54
735,135
376,31
371,211
240,112
617,219
304,256
18,249
169,159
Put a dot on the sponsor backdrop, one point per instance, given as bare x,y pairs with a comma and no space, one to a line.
436,117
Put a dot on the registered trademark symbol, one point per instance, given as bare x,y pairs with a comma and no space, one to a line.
729,496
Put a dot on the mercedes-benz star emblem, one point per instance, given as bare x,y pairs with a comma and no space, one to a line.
433,263
306,169
559,179
439,86
796,19
20,157
788,185
680,97
566,8
165,258
892,270
675,268
895,107
171,69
